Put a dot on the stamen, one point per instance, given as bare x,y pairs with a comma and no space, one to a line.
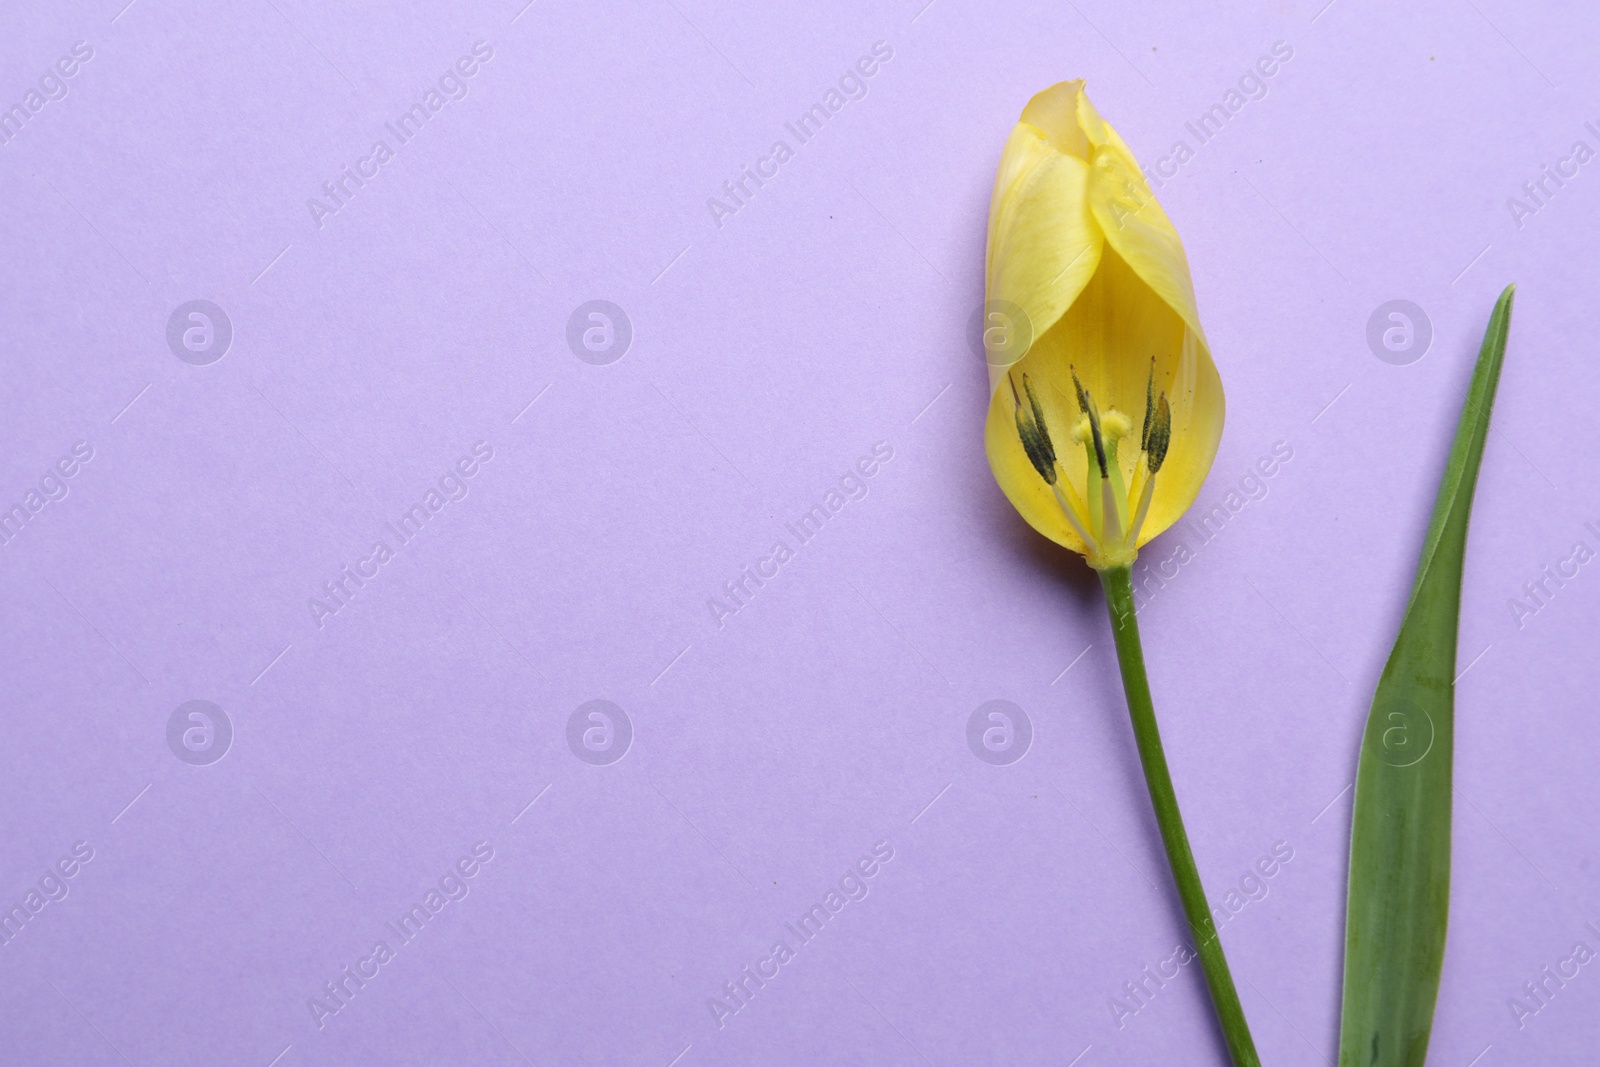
1086,405
1035,436
1032,433
1160,436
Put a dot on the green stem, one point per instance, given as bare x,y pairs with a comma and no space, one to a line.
1118,585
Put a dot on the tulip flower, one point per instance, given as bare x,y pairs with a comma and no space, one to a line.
1105,408
1101,430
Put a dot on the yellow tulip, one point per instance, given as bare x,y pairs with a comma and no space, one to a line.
1105,408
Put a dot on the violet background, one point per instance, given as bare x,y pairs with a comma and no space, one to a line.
768,354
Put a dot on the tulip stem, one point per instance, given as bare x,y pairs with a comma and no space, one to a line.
1118,585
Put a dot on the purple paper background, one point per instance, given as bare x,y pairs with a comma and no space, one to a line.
768,354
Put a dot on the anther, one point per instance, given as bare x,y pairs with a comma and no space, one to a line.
1086,405
1083,397
1149,406
1094,429
1160,435
1035,447
1031,432
1038,421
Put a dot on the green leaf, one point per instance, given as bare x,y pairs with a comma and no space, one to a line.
1400,835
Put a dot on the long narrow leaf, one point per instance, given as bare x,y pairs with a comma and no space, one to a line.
1400,837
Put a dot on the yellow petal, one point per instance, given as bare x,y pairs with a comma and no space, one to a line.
1043,242
1127,212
